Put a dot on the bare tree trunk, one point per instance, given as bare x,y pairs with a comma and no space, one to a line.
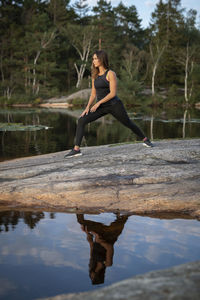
43,45
191,88
155,59
8,92
184,122
1,65
34,71
37,89
186,74
80,72
151,127
84,54
153,79
185,59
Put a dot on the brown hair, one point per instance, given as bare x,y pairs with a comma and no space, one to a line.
103,57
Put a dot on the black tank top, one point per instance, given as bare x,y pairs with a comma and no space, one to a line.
102,87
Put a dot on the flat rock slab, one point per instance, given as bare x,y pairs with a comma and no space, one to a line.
129,177
177,283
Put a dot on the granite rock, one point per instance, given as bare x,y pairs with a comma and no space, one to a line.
128,177
177,283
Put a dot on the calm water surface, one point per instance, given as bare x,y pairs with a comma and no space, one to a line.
157,124
45,254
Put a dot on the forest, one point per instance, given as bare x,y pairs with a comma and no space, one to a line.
46,49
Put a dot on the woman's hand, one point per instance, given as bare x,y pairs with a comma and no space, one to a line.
94,107
85,112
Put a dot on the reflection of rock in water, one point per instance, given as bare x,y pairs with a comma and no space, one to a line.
101,239
9,219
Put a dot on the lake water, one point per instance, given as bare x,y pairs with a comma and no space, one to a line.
44,254
60,129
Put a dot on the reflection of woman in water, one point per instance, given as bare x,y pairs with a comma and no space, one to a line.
101,239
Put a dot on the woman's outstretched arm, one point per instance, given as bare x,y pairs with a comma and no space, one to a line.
91,100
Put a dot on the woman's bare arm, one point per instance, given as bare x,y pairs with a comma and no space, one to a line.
91,100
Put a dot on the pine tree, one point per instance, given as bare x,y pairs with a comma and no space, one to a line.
128,25
167,19
39,36
10,33
59,12
104,22
188,53
81,9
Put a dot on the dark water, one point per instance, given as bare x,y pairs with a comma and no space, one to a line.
44,254
157,124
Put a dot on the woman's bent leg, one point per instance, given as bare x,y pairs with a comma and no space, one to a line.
118,111
82,121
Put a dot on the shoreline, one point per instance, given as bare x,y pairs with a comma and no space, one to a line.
84,94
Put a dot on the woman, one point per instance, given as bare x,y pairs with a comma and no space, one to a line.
104,88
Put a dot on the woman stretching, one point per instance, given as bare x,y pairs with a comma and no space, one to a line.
104,89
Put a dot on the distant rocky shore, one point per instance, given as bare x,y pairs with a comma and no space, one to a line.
81,96
66,101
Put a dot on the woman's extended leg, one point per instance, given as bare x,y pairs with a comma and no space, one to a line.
118,111
82,121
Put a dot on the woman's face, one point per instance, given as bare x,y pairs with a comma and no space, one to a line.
96,61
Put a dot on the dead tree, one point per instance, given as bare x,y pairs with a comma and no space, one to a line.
156,53
81,40
186,59
46,39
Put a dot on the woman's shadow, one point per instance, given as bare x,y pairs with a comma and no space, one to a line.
101,239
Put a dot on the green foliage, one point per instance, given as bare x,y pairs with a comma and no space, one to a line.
173,91
78,102
37,101
43,44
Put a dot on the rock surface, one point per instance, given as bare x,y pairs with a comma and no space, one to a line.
129,177
177,283
82,94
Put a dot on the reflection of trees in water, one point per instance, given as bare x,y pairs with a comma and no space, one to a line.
23,143
9,219
151,127
186,112
107,130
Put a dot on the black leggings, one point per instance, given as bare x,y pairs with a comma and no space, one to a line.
116,109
